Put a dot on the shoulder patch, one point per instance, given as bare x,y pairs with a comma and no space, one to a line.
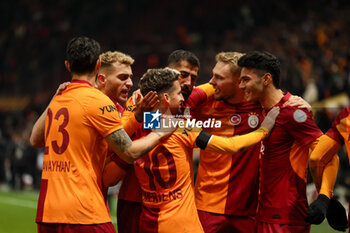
299,116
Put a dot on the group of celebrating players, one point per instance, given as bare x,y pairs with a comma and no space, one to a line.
252,170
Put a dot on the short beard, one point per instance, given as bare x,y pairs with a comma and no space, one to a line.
186,92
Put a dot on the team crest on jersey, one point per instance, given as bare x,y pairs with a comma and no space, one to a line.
253,120
187,113
235,119
299,116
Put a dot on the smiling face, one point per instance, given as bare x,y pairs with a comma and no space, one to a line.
252,84
225,83
115,81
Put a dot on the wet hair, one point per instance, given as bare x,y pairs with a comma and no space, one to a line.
262,62
177,56
159,80
82,54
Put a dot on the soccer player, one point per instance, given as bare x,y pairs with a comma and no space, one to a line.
224,202
164,174
226,188
81,121
284,154
326,149
129,198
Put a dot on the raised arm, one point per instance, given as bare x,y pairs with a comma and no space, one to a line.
134,108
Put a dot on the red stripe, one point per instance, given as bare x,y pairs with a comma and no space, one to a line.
149,220
41,201
46,150
121,163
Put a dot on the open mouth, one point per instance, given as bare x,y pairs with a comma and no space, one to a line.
124,92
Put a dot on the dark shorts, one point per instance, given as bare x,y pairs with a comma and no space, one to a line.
75,228
215,223
128,216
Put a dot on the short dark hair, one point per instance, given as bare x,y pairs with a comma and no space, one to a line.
178,55
159,80
262,62
82,54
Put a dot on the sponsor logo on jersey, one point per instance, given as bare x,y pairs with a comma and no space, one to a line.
253,121
151,120
299,116
108,108
235,119
130,108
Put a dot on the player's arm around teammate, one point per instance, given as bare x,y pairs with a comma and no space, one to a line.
233,145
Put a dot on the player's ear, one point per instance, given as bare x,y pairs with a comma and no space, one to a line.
98,65
66,63
267,79
166,98
101,79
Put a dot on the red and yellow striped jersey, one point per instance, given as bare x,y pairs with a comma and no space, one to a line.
165,177
228,184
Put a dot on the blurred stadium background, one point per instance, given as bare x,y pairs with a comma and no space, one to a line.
311,38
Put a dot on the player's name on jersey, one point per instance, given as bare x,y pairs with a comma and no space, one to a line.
190,123
56,166
155,197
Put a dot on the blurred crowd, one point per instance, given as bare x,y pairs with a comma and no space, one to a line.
311,39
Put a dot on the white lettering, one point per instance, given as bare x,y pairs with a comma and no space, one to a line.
181,124
190,123
199,124
217,124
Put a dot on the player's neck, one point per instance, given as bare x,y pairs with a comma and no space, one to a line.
236,99
271,96
86,77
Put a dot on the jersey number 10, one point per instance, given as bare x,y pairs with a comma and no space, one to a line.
154,172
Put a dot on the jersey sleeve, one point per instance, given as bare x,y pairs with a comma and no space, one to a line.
130,124
114,170
324,163
200,94
340,124
231,145
208,89
103,115
300,125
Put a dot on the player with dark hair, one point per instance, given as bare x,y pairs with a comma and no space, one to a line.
284,154
80,122
188,65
